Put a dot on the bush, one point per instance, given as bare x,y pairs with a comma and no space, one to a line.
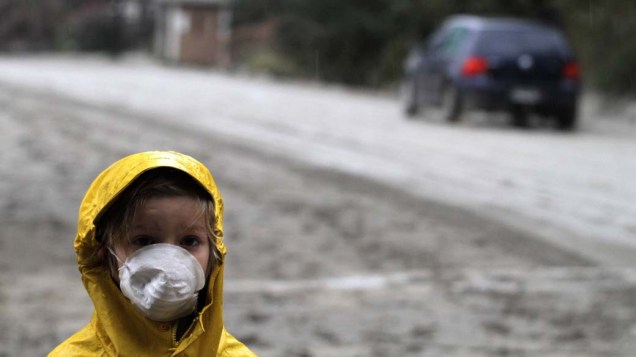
601,35
98,32
271,63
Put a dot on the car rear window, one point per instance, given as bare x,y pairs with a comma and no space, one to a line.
514,43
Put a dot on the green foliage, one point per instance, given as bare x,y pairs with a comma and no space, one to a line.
98,32
85,25
29,24
359,42
251,11
602,32
271,63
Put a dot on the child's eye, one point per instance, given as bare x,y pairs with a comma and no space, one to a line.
142,241
190,241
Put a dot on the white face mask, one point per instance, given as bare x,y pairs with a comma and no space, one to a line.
162,281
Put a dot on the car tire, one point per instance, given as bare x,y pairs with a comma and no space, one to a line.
566,118
409,99
519,116
451,104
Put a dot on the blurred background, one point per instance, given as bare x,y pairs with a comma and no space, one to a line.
351,230
360,43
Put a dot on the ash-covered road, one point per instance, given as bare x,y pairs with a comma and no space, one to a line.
351,231
571,189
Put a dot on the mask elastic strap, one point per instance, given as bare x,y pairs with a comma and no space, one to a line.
115,255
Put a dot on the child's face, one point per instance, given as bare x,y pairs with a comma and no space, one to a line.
172,220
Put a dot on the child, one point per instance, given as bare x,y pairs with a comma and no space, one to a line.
151,256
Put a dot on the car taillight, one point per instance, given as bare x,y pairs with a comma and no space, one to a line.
571,70
474,66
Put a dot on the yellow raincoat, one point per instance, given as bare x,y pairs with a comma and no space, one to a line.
116,327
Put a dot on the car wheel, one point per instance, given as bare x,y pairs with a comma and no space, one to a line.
566,118
409,99
519,116
451,104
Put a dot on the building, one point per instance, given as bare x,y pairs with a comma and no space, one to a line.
193,31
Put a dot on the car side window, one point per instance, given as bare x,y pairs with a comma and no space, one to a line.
447,41
453,41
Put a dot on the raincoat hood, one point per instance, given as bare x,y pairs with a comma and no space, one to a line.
117,328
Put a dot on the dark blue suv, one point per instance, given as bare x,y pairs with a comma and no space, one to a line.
515,65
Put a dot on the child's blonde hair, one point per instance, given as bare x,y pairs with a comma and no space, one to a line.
113,225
